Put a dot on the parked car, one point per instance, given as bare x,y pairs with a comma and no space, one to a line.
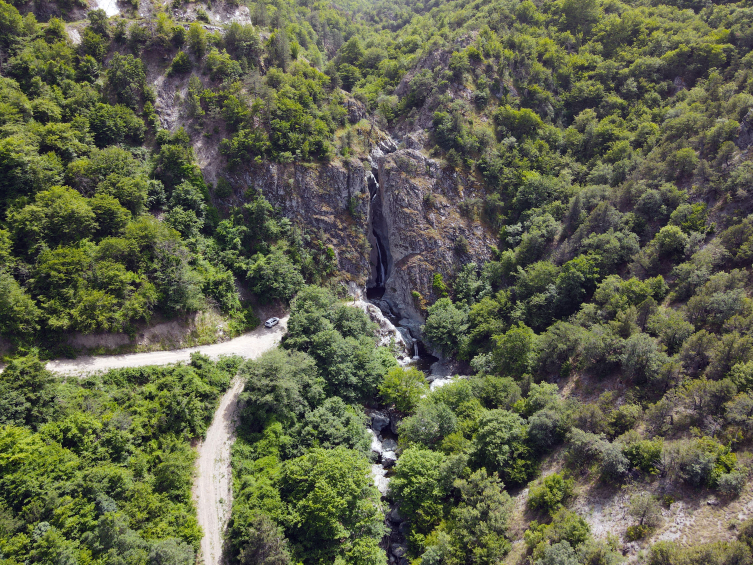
272,322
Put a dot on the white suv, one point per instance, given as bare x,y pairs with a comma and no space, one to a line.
272,322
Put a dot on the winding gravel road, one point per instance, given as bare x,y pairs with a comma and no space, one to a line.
248,345
213,488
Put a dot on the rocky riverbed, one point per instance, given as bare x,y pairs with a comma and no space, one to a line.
384,447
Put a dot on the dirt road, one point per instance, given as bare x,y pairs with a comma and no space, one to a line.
248,345
213,488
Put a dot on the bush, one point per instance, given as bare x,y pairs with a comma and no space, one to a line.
642,358
551,493
637,532
275,277
566,526
614,465
560,553
418,486
703,461
331,501
732,484
19,315
28,393
266,544
546,428
445,324
514,351
645,508
332,424
645,455
181,64
404,388
284,385
432,422
583,446
623,419
127,78
501,446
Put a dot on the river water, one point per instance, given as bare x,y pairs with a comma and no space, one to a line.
384,422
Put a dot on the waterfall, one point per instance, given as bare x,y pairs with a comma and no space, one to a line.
380,262
415,349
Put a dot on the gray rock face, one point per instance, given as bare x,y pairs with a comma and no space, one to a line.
389,445
408,199
389,459
745,137
356,111
422,228
379,421
331,200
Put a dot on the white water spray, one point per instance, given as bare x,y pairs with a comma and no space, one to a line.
380,276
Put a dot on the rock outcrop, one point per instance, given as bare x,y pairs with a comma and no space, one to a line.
392,218
330,200
422,228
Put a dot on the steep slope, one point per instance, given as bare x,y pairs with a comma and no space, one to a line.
556,195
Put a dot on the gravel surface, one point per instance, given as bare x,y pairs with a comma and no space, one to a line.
248,345
213,489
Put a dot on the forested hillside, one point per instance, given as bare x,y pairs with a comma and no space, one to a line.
553,197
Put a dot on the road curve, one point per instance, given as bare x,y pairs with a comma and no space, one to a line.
248,345
213,487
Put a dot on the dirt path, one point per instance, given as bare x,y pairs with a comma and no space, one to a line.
213,488
248,345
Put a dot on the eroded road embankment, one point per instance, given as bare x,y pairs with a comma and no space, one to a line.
213,487
248,345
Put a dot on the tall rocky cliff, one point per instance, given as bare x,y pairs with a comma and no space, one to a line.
394,199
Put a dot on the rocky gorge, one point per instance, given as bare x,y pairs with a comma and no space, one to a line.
390,215
383,422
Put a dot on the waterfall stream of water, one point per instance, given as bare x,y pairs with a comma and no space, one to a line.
380,263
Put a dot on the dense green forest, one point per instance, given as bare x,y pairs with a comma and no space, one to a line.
99,470
608,343
302,461
105,217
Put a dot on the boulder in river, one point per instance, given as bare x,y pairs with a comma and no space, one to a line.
379,421
395,516
389,445
398,550
389,459
394,421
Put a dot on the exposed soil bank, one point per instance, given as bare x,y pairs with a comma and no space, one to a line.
248,346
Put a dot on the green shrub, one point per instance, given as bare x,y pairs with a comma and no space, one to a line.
181,64
404,388
553,491
637,532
